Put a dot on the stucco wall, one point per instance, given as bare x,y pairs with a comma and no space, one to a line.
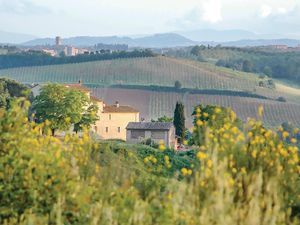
107,127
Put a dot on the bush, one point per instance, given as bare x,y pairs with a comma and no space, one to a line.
281,99
244,175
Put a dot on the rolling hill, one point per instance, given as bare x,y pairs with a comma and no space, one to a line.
148,85
151,41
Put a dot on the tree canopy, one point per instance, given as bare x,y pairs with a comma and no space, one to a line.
63,107
10,89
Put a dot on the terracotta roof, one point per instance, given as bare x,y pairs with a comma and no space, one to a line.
119,109
93,98
79,87
149,126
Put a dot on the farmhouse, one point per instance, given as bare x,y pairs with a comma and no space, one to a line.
156,131
113,119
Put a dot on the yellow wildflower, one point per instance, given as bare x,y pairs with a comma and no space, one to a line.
201,155
184,171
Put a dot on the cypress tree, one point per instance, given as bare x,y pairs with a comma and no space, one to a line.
179,120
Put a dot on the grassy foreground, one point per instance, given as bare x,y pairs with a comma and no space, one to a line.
237,175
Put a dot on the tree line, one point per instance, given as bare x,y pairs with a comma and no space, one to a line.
282,65
37,58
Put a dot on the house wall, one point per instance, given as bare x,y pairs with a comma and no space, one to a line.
113,125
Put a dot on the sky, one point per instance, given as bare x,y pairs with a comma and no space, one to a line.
48,18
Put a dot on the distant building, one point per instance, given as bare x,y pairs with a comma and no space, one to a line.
58,41
50,52
71,51
156,131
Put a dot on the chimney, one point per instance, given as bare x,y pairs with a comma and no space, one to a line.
117,104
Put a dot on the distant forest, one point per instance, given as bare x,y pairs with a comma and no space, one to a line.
34,58
276,64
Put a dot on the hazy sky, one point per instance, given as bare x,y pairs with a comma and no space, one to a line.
123,17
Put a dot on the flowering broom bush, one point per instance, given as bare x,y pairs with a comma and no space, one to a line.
240,174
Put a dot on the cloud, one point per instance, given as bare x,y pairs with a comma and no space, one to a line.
212,11
23,7
265,11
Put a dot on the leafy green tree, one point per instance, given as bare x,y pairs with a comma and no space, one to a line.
10,89
177,84
267,71
247,66
61,106
88,117
179,120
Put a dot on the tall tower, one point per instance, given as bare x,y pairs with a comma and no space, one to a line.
58,41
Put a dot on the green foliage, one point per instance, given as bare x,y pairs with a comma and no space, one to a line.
9,90
245,177
179,120
62,107
247,66
164,119
177,84
88,118
35,58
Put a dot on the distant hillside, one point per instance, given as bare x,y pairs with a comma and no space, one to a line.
14,38
153,41
262,42
210,35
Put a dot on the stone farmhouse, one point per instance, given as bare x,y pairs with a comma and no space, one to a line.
156,131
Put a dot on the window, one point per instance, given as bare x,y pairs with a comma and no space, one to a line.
158,135
119,129
136,134
109,116
106,129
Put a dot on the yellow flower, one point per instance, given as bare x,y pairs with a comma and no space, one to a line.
207,173
209,163
146,160
294,140
218,110
190,172
205,115
184,171
285,134
260,110
201,155
162,147
199,123
250,134
254,154
231,181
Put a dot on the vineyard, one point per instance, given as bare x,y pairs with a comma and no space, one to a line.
161,71
199,81
156,104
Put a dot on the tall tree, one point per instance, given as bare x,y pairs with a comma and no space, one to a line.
61,106
179,120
